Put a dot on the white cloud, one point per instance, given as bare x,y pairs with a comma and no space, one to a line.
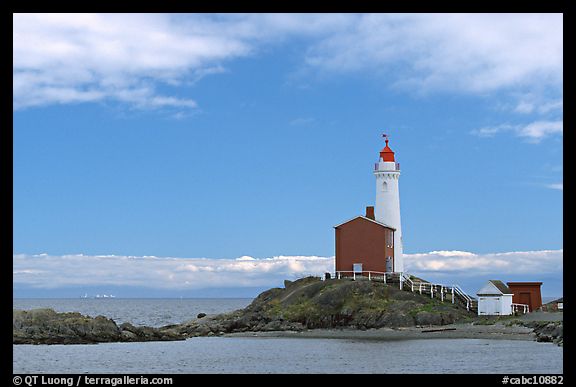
49,271
464,263
71,58
558,186
533,132
91,57
245,258
491,131
302,121
464,52
535,104
536,131
452,253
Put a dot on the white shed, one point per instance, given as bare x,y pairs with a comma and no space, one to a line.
494,299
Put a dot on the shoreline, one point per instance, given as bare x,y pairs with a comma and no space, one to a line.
393,317
451,331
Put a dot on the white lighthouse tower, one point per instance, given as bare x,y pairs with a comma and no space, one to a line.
387,206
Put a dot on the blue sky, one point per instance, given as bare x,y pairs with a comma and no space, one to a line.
169,147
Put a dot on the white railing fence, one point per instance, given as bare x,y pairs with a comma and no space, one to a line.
520,307
405,282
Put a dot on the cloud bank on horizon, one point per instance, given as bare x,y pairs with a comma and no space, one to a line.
47,271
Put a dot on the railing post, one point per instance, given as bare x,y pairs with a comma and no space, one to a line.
420,287
431,291
384,277
452,294
441,293
339,275
369,276
354,276
400,278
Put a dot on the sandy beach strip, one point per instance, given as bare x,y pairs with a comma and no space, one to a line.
453,331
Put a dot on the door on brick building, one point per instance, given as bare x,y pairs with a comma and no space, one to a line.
389,265
524,298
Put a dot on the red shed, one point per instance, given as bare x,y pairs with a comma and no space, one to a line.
364,244
526,293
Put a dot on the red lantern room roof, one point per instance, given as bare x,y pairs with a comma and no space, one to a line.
387,154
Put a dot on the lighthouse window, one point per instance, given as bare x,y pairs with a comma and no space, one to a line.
384,186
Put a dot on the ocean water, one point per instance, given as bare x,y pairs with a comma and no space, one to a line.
266,354
154,312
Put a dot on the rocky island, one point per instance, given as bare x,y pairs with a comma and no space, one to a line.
310,303
308,307
45,326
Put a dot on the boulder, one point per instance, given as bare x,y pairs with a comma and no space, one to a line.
428,318
129,336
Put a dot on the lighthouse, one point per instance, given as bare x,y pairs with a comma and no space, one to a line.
387,206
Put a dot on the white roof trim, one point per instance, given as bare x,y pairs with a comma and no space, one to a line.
371,220
491,290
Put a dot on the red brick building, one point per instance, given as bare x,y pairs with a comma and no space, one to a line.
364,244
526,293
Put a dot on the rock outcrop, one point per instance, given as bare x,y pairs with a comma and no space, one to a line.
548,331
45,326
310,303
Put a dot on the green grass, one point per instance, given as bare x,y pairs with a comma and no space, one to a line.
491,320
430,307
